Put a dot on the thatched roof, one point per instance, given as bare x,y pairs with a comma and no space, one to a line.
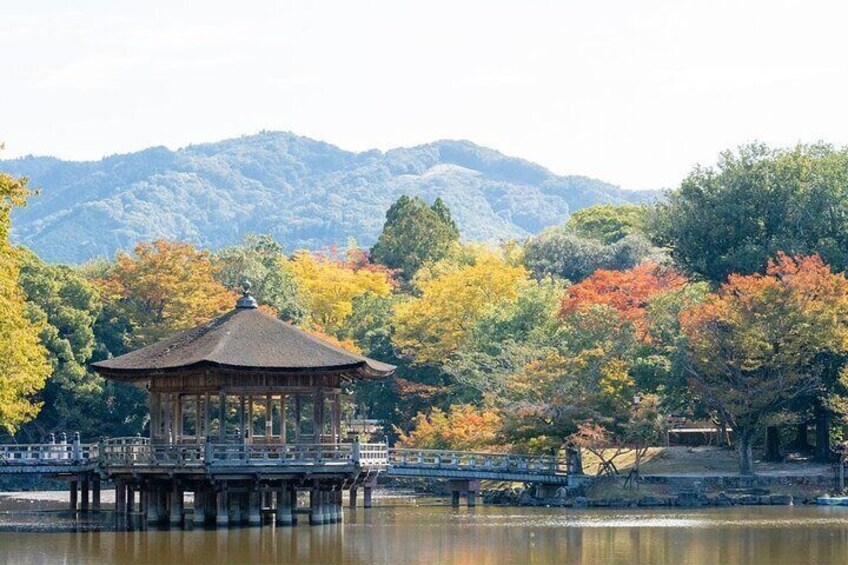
243,339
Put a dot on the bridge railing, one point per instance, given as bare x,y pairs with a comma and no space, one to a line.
494,462
48,453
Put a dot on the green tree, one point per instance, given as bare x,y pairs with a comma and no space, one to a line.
24,364
607,223
558,252
757,201
260,259
414,234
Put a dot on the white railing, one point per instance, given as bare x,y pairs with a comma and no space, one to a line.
469,460
48,453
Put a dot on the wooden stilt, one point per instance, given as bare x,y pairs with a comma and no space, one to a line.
223,514
95,493
74,485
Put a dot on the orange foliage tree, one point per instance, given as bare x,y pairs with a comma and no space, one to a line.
463,427
757,344
628,292
165,287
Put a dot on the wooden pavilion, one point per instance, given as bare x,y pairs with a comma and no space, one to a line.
240,406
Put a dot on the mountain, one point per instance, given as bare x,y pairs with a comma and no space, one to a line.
306,193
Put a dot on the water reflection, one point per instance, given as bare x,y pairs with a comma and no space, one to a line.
428,534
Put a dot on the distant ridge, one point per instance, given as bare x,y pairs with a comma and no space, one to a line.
306,193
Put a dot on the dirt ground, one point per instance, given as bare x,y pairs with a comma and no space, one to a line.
708,460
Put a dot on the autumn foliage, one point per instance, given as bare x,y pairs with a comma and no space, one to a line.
628,292
463,427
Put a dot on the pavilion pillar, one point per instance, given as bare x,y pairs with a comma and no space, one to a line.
177,417
283,398
199,515
176,504
242,425
316,515
223,514
130,499
207,400
154,515
318,414
337,418
254,516
284,514
269,418
248,430
199,420
222,417
297,409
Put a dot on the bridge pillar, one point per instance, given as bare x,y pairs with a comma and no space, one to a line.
120,497
254,516
73,485
95,493
471,498
223,516
176,505
337,504
130,499
352,502
455,498
283,515
84,494
471,488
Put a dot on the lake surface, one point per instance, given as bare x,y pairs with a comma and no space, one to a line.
439,534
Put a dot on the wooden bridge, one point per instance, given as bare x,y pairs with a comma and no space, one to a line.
84,465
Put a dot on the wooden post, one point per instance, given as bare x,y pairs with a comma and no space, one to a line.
248,429
269,418
352,502
315,515
242,426
207,399
176,505
337,418
95,493
297,408
366,499
283,418
318,414
198,421
284,512
84,492
120,497
222,416
254,516
223,510
74,494
199,514
130,499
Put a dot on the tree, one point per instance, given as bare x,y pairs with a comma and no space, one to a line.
331,285
753,346
755,202
560,253
164,288
261,260
433,326
628,291
414,234
463,427
66,306
607,223
24,363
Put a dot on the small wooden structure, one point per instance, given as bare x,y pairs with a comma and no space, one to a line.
244,411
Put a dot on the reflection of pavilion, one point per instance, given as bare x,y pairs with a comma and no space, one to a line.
241,407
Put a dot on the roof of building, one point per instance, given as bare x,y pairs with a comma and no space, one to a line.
245,338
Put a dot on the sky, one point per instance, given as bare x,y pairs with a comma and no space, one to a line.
632,92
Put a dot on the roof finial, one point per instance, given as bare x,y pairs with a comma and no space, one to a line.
246,300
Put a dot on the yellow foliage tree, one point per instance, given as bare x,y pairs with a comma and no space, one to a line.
24,363
164,288
463,427
432,327
332,285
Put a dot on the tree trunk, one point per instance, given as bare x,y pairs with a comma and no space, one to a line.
822,434
801,443
745,449
773,444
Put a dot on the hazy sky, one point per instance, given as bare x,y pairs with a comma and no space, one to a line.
628,91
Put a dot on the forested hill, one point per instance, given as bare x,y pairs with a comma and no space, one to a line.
305,193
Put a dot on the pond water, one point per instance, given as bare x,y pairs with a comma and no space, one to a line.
409,533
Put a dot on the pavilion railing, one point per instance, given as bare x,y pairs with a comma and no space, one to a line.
469,460
139,451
